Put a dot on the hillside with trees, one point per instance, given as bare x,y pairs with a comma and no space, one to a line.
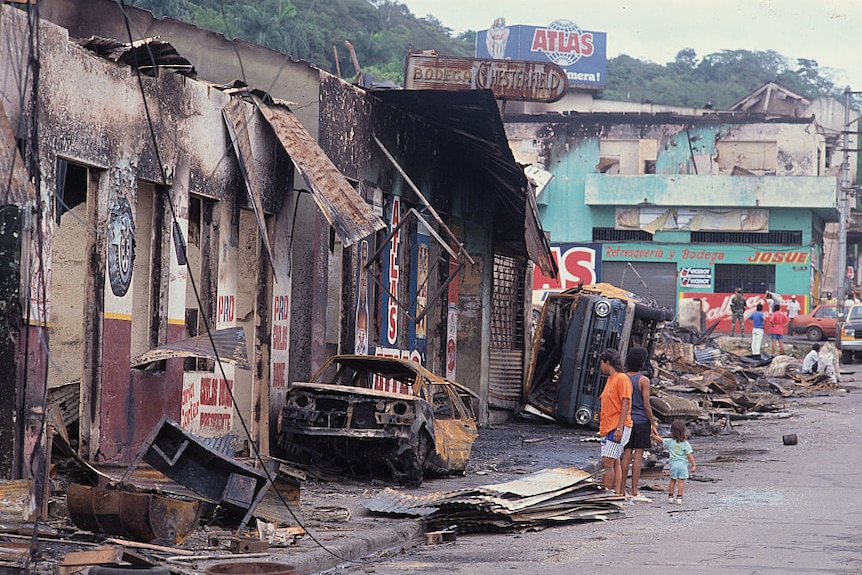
382,31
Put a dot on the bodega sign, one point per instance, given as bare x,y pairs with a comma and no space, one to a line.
507,79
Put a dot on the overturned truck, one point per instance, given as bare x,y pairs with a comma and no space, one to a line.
564,380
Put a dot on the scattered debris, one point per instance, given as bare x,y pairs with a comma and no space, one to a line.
789,439
548,497
127,512
189,461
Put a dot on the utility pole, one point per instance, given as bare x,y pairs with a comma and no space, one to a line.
843,193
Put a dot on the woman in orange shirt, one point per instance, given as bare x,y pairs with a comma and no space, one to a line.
615,422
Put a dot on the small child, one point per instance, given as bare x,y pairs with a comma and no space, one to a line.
680,457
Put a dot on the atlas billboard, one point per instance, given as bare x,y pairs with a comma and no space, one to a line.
580,53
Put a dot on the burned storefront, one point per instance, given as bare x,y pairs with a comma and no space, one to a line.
445,285
165,210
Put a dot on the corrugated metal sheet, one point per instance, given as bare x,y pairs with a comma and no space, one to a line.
227,345
15,187
537,500
341,205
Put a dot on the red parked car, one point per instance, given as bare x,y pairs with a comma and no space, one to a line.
820,323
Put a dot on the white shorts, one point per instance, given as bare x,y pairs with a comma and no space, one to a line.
613,449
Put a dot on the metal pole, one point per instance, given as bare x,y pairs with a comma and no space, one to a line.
843,187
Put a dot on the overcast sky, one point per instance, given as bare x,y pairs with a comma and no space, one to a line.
828,31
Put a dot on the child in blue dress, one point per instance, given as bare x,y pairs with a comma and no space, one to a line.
680,457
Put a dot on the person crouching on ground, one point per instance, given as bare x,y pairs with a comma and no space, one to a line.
643,421
680,458
811,362
615,422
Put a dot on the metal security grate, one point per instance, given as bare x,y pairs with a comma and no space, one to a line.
507,332
612,235
507,303
753,279
782,238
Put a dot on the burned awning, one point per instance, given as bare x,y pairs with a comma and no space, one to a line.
227,345
147,55
474,118
341,205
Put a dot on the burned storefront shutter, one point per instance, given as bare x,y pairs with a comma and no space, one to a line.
508,332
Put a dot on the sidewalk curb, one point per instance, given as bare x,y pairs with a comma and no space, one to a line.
402,535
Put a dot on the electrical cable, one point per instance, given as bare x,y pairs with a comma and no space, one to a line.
206,322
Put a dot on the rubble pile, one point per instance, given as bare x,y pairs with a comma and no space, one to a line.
711,377
548,497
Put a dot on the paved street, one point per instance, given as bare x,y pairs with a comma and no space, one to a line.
755,506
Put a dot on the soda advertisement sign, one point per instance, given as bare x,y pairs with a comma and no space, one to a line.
578,264
582,54
716,306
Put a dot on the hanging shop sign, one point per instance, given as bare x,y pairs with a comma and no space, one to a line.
508,79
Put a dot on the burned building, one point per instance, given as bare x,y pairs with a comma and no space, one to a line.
162,207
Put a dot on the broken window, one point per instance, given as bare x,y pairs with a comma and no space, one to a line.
71,190
200,243
758,158
627,157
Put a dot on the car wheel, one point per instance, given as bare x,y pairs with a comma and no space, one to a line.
846,356
405,466
814,333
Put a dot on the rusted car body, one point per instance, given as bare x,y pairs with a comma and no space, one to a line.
363,415
820,323
564,381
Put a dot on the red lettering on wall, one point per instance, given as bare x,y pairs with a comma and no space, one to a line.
279,337
278,379
214,391
779,258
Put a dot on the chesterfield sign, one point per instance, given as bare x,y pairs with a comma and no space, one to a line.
507,79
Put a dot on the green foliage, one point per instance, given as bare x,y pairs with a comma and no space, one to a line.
720,79
382,32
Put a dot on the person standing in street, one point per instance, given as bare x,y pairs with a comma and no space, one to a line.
737,312
777,328
615,422
757,321
792,308
643,421
680,458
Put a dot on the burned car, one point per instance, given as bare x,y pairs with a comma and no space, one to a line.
564,380
362,414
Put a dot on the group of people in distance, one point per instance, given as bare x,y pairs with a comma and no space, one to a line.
765,315
627,427
776,320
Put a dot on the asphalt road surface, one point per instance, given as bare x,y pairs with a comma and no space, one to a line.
755,506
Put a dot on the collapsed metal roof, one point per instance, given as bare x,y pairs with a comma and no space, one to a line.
341,205
474,117
147,55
